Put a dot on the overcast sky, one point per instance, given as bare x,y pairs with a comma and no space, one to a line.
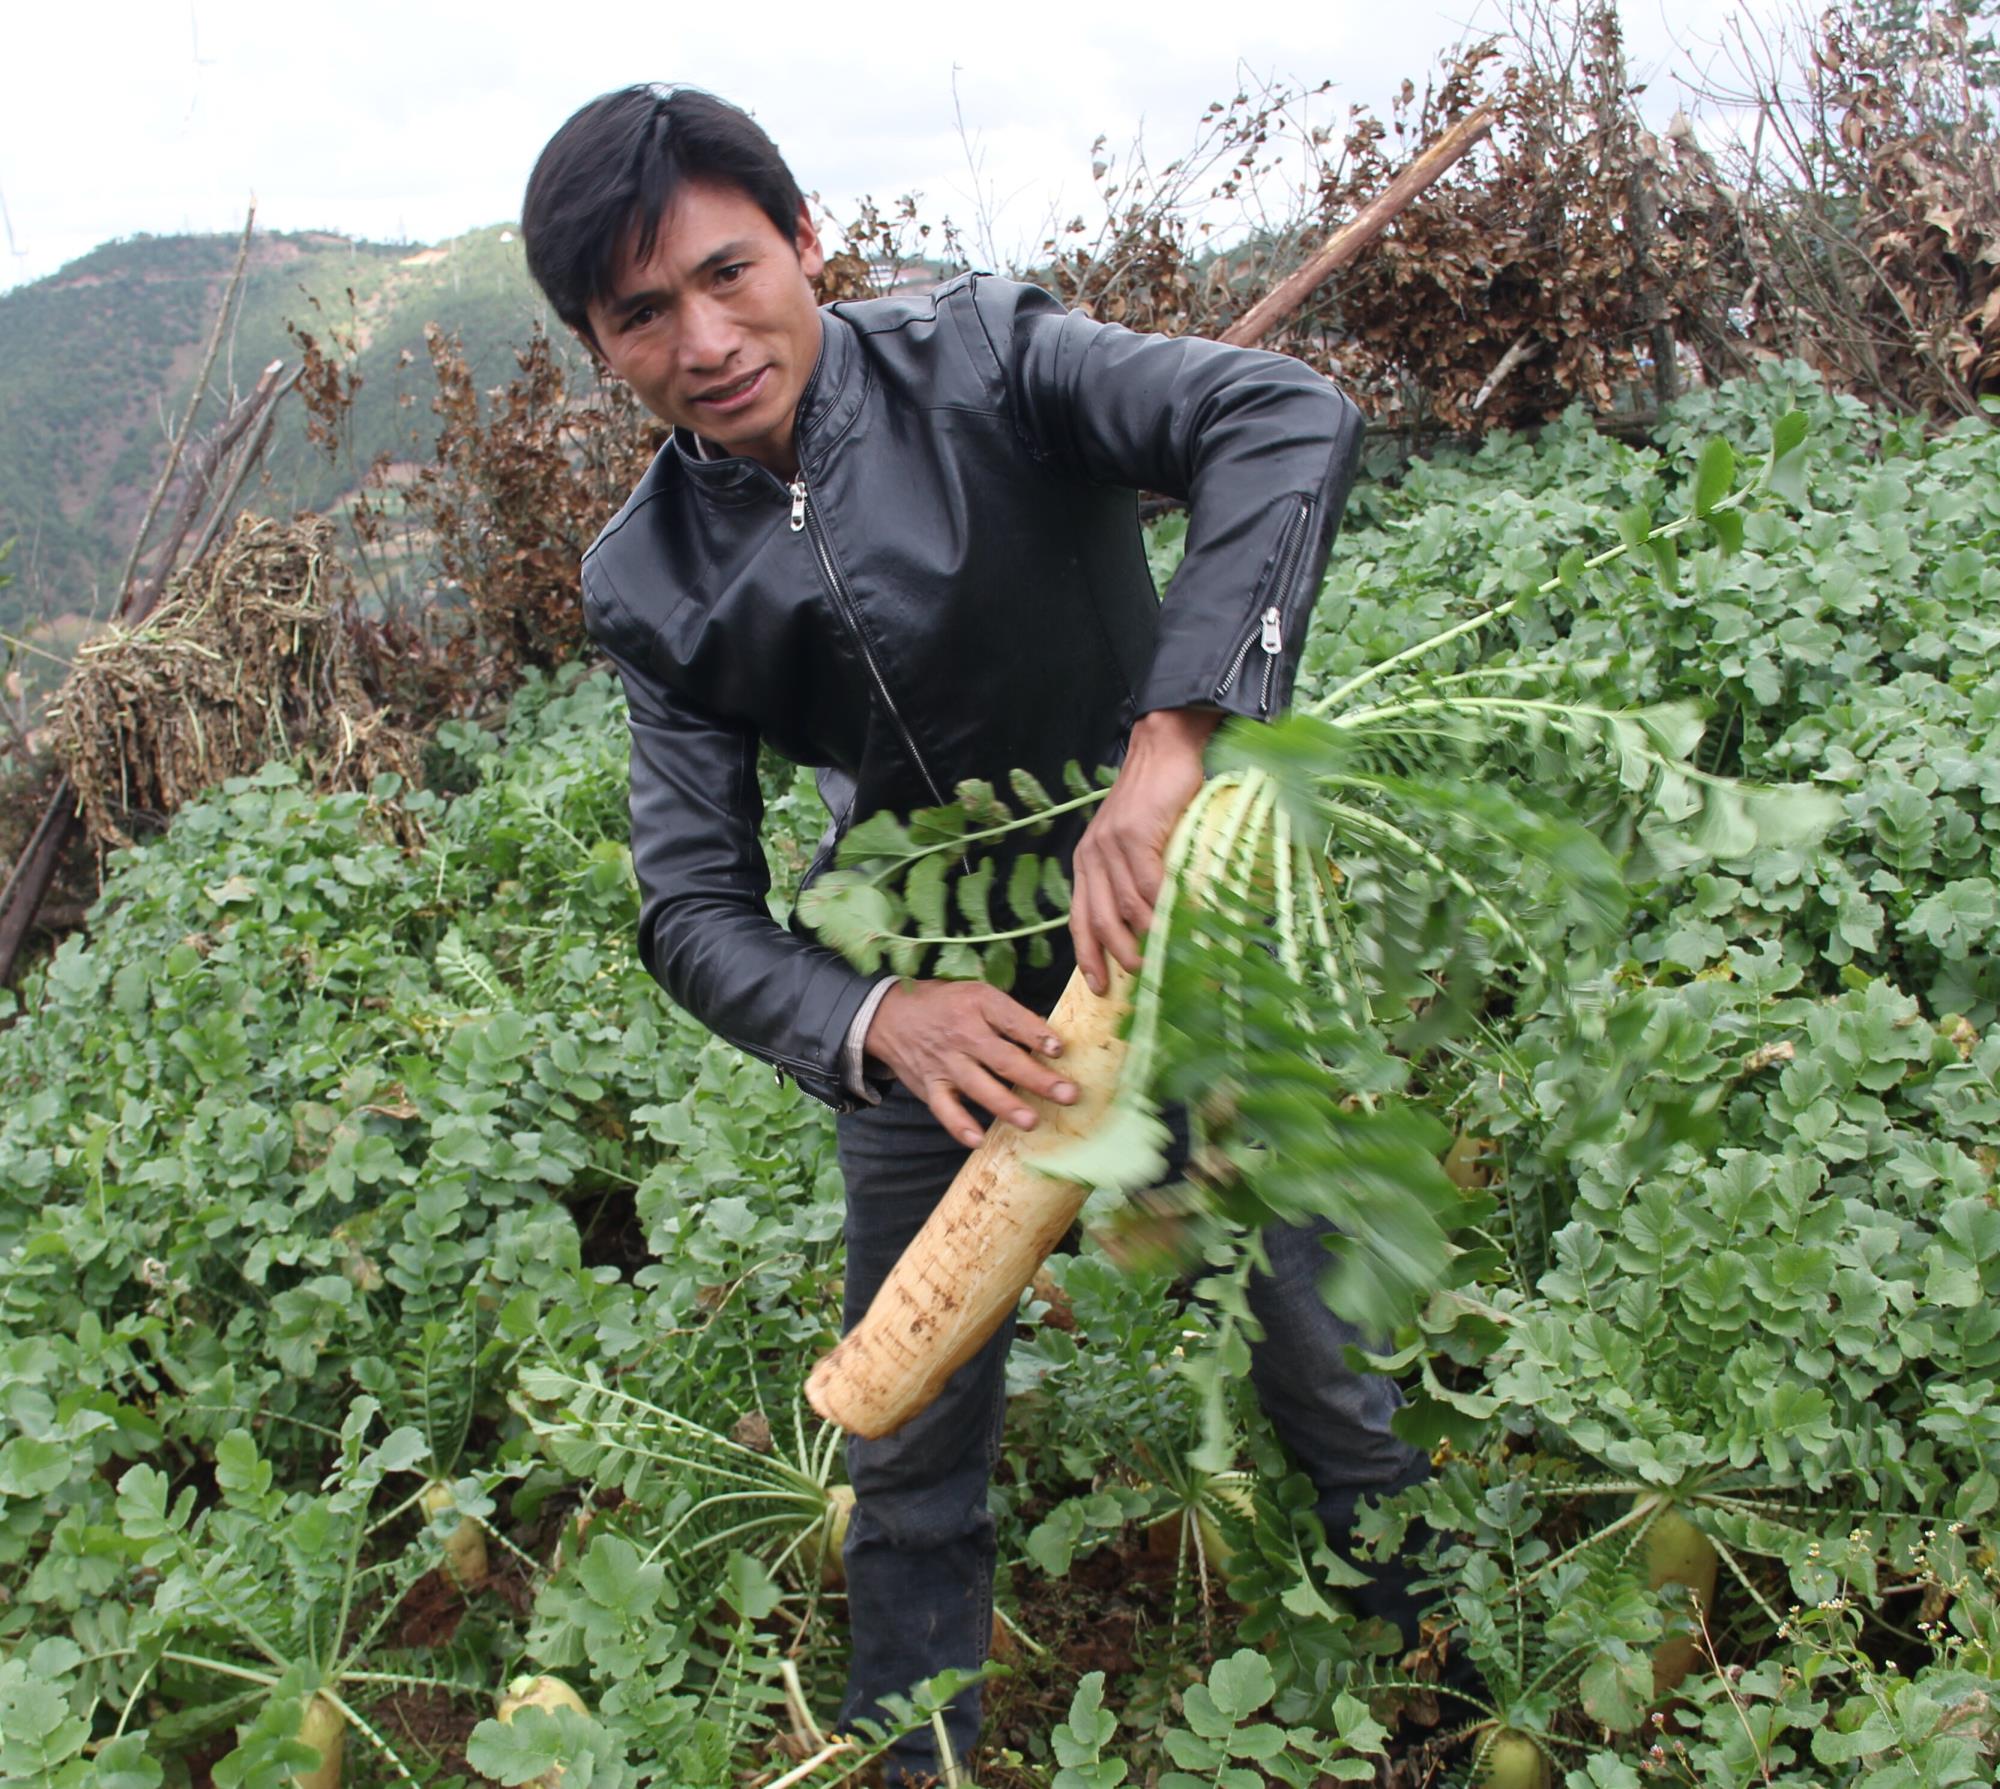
420,119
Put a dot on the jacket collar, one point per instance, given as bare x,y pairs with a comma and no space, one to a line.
831,399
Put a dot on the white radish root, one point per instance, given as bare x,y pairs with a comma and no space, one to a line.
548,1694
465,1561
964,1274
324,1728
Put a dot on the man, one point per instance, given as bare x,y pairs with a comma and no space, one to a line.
897,540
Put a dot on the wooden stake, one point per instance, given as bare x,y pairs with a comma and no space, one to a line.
21,898
1283,301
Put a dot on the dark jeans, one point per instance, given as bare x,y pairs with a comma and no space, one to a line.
920,1550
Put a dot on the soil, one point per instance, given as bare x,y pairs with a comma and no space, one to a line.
1101,1616
429,1729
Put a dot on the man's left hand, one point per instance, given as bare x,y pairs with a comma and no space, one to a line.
1121,857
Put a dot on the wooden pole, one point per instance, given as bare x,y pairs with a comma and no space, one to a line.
1284,300
1649,302
206,462
21,899
270,390
1526,348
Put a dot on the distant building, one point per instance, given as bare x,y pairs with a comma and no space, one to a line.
913,278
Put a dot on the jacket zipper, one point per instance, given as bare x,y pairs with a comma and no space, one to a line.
1268,628
781,1065
803,518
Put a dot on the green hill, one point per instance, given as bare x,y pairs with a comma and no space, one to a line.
100,356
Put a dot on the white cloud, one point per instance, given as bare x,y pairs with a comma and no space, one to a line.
422,120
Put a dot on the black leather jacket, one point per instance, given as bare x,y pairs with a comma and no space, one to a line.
954,586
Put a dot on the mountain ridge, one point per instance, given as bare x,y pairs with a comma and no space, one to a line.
99,358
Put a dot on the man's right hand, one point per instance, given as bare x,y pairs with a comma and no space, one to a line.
948,1041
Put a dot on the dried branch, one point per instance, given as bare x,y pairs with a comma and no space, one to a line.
266,398
207,458
34,871
1526,348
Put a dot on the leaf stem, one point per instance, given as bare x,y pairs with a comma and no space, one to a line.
1387,831
836,1747
927,938
265,1678
1473,623
1039,818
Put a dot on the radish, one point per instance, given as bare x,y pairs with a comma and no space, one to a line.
965,1272
1511,1760
822,1551
1677,1552
1015,1197
465,1562
324,1728
548,1694
1467,1163
1233,1489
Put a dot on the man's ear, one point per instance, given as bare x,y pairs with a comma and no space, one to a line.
812,254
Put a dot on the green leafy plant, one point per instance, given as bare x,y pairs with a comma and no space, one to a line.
1722,1241
711,1491
1224,1740
269,1601
1331,907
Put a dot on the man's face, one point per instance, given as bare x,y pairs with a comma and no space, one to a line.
717,329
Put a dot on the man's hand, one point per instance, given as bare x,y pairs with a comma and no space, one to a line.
947,1040
1121,858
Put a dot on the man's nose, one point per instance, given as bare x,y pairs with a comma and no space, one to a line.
708,335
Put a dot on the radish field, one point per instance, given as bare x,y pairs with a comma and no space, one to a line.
399,1298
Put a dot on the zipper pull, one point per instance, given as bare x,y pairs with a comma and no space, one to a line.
798,489
1274,636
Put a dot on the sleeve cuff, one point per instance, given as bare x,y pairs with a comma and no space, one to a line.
853,1062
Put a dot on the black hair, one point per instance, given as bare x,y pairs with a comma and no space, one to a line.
614,167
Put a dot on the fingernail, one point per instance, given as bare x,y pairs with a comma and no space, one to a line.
1065,1092
1024,1120
1052,1046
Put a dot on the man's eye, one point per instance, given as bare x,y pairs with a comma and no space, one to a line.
644,314
728,276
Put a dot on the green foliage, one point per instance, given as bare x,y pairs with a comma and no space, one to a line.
306,1114
327,1167
1226,1743
537,1741
891,899
274,1590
